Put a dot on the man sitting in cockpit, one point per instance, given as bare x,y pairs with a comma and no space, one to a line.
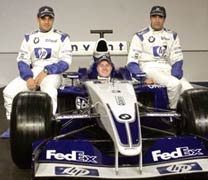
104,66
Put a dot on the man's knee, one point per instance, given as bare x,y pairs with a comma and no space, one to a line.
174,85
7,92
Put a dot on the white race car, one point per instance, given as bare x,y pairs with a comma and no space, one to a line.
110,129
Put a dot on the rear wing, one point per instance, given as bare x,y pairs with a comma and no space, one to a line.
86,48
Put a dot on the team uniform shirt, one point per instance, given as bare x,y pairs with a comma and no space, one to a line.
155,48
50,50
159,55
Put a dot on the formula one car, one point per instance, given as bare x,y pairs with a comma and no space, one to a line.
110,129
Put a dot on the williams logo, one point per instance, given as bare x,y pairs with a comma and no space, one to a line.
179,168
75,171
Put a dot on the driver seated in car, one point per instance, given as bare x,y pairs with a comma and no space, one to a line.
102,67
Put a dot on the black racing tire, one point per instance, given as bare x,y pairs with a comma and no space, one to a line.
30,121
193,107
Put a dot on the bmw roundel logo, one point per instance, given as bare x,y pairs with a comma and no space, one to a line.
151,39
125,116
36,40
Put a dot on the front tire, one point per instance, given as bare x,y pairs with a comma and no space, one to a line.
30,121
193,107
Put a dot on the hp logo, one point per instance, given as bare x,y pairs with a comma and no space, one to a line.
179,168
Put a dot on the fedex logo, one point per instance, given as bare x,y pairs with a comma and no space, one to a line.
79,156
178,153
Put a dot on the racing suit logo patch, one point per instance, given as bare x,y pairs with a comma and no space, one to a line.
36,40
159,51
151,39
42,53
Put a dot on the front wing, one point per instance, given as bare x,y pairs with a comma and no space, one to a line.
76,158
69,170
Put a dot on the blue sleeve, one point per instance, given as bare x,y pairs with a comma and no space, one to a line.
136,72
25,70
134,68
176,70
57,68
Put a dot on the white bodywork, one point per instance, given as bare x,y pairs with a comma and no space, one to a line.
111,99
116,101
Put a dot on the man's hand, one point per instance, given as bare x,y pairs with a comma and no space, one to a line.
143,78
31,85
40,77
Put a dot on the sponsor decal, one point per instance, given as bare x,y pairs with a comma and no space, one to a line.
180,152
87,47
51,40
165,38
81,102
125,116
76,171
120,100
23,54
78,156
36,40
159,51
179,168
116,91
42,53
155,86
136,55
151,39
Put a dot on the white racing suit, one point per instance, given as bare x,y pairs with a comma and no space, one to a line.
159,55
50,50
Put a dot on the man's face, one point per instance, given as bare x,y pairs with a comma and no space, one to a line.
45,23
157,22
104,69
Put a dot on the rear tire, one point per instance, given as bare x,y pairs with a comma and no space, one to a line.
30,121
193,107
